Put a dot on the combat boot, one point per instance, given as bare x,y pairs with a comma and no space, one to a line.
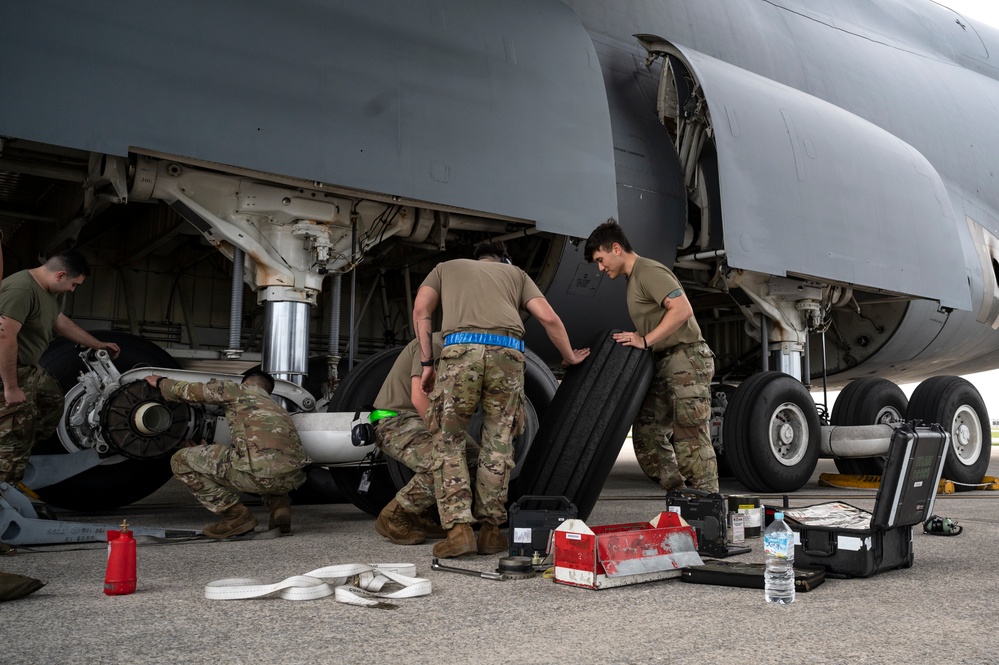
426,523
280,506
397,524
460,541
236,520
491,540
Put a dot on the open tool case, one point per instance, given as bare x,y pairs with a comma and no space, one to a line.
850,542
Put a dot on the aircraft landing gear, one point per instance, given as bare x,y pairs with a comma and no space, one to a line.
958,407
117,481
868,401
771,433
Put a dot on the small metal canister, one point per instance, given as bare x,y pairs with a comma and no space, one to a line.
751,511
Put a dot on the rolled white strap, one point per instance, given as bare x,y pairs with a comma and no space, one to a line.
352,583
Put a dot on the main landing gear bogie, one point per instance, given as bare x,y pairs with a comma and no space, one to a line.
772,431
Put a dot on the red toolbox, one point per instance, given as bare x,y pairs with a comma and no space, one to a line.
613,555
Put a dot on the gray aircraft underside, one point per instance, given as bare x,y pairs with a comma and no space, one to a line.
819,174
853,141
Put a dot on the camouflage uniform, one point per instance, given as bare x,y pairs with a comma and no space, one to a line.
23,425
678,403
672,435
24,300
266,456
470,374
405,438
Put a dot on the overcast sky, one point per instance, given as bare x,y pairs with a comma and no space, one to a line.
983,10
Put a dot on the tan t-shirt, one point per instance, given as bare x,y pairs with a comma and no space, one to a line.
649,284
482,296
396,393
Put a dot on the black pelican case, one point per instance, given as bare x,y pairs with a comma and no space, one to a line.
850,542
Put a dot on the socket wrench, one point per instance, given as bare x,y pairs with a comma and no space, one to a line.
435,564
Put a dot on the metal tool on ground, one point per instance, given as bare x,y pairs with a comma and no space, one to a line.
515,567
21,525
435,564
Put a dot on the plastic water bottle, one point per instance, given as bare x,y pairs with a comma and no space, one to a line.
778,548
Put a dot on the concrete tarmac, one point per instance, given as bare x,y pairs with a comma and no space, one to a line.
942,610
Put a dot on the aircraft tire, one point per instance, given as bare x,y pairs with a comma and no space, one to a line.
771,433
318,488
109,485
724,466
957,406
868,401
586,425
361,386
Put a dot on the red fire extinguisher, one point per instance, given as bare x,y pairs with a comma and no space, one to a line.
120,577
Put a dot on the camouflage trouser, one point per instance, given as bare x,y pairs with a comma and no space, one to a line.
671,434
470,374
405,438
23,425
208,473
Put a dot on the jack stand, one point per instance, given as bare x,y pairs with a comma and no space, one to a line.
20,525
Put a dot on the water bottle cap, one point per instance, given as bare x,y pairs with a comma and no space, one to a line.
778,516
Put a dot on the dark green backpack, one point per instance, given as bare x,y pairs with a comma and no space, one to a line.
14,586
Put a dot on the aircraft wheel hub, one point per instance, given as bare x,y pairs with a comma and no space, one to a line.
786,434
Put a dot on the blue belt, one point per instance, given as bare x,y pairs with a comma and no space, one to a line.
484,338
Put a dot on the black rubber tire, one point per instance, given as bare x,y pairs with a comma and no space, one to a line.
868,401
581,435
724,468
360,388
957,406
747,432
319,488
114,484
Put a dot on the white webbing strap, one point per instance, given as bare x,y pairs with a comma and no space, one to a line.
352,583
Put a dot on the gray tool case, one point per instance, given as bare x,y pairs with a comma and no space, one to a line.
850,542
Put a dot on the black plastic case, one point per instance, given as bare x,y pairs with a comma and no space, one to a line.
532,521
706,512
748,575
850,542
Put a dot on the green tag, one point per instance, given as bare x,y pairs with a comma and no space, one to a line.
378,414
